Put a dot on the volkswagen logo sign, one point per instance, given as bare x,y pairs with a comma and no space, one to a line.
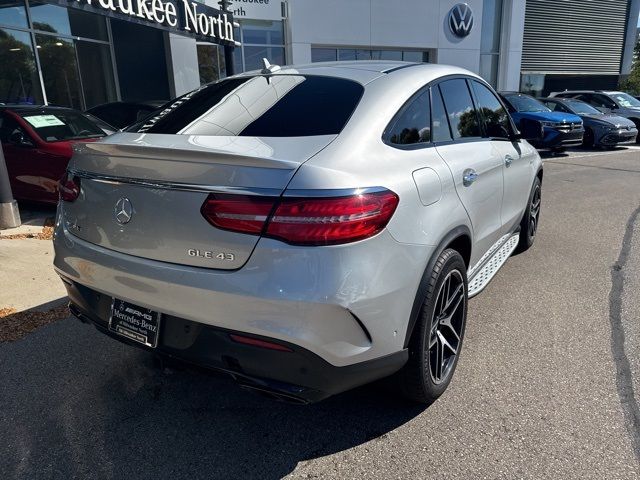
123,211
461,20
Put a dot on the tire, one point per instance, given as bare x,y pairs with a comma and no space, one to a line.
436,341
529,222
588,140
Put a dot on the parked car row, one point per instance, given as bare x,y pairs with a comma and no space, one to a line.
37,140
570,118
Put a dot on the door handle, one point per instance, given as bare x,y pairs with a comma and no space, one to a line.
469,176
508,160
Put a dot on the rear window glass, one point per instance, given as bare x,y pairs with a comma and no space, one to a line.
58,125
260,106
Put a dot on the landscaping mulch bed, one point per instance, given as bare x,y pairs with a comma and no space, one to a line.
14,325
45,234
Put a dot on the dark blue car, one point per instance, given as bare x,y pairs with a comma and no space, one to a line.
561,129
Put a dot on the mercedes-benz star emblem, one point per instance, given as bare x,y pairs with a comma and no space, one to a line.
123,211
461,20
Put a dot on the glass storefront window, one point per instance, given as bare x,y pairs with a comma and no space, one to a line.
96,72
13,13
208,60
253,56
262,32
321,54
67,21
415,57
20,83
386,55
59,70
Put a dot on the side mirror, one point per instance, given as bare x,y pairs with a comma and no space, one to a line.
18,138
531,130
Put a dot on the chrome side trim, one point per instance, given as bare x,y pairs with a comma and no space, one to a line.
187,187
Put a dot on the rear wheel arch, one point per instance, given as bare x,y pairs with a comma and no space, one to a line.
458,239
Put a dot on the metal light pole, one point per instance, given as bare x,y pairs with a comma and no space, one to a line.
228,49
9,213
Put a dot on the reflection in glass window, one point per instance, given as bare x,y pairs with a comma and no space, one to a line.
386,55
54,125
496,119
462,115
96,70
278,106
20,83
324,54
253,56
55,19
439,122
13,13
209,66
321,54
59,70
413,125
262,32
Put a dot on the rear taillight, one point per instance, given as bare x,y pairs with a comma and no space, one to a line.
69,188
303,221
238,213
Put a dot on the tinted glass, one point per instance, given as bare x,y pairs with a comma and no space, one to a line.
525,103
415,57
324,54
413,124
463,117
59,71
581,107
20,82
597,100
13,13
55,19
439,123
274,106
262,32
554,106
625,100
8,126
495,117
253,57
96,69
386,55
56,125
208,65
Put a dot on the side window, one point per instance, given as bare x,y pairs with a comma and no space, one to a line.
8,126
463,117
439,123
603,101
496,118
413,123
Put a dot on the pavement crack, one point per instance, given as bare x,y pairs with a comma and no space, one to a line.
624,379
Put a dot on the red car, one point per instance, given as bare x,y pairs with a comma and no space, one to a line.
37,141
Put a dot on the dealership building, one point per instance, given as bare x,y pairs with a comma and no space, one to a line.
82,53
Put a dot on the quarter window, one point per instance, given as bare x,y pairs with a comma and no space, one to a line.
463,117
496,119
413,123
439,123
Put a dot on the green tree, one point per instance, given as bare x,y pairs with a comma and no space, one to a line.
631,84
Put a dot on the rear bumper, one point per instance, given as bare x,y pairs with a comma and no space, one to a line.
297,375
346,304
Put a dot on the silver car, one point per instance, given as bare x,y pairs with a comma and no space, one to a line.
306,229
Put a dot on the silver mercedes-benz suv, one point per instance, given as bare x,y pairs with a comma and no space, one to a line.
306,229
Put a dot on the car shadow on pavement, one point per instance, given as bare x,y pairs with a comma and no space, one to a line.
81,405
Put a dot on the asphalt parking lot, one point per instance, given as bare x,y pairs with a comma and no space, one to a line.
544,389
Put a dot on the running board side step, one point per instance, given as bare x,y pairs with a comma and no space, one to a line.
481,274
